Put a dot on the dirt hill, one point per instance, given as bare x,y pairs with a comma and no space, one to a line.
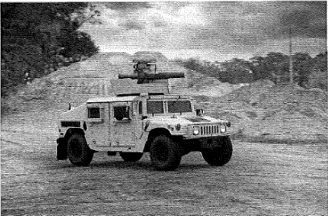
260,111
264,111
159,57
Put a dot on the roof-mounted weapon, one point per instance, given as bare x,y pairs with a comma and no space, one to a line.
148,81
147,78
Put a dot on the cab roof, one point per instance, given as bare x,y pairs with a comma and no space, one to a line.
111,99
131,98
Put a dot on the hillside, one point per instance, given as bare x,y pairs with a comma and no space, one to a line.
264,111
260,111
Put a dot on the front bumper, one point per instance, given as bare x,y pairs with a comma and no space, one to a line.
199,144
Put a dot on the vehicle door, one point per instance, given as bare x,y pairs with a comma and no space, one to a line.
122,124
138,113
97,124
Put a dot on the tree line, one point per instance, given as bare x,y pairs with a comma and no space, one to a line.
308,72
38,38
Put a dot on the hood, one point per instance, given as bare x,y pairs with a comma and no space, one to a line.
184,120
76,113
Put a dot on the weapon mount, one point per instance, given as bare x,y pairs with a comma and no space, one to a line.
148,81
147,78
151,84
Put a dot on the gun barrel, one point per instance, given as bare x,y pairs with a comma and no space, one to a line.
146,76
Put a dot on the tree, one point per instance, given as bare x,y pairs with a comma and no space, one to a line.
238,71
301,67
259,67
318,72
38,37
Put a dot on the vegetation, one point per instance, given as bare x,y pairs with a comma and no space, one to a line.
308,72
38,38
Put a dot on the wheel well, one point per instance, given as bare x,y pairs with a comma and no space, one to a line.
71,131
153,133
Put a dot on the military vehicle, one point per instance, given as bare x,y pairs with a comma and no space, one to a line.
142,117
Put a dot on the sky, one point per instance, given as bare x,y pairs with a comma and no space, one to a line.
214,31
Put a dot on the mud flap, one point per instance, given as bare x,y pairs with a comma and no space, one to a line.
61,149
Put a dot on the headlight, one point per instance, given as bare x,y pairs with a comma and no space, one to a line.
196,130
223,128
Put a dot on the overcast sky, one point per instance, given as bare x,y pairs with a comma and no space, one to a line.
211,30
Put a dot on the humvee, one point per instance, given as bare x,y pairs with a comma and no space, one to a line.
142,117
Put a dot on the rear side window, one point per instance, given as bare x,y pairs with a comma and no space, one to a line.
155,107
179,106
93,112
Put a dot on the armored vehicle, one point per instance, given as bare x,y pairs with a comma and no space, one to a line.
142,117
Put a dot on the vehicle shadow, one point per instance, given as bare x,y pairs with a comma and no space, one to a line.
140,165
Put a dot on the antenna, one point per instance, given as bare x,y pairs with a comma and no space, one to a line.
290,56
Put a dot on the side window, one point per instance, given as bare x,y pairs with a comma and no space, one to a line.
93,112
140,107
155,107
121,112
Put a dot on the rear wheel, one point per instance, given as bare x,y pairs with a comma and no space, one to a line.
164,153
131,156
220,155
78,151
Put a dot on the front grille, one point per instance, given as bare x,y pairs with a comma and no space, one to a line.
209,129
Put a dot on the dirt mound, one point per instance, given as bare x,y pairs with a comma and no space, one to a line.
112,57
274,112
200,85
80,81
261,109
72,84
150,55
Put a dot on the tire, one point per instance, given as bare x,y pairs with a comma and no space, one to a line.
221,155
78,151
131,156
165,153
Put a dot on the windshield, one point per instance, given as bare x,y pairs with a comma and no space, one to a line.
179,106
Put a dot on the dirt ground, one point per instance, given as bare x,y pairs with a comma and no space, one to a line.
261,179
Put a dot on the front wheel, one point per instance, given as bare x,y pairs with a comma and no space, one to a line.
131,156
220,155
165,153
78,151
